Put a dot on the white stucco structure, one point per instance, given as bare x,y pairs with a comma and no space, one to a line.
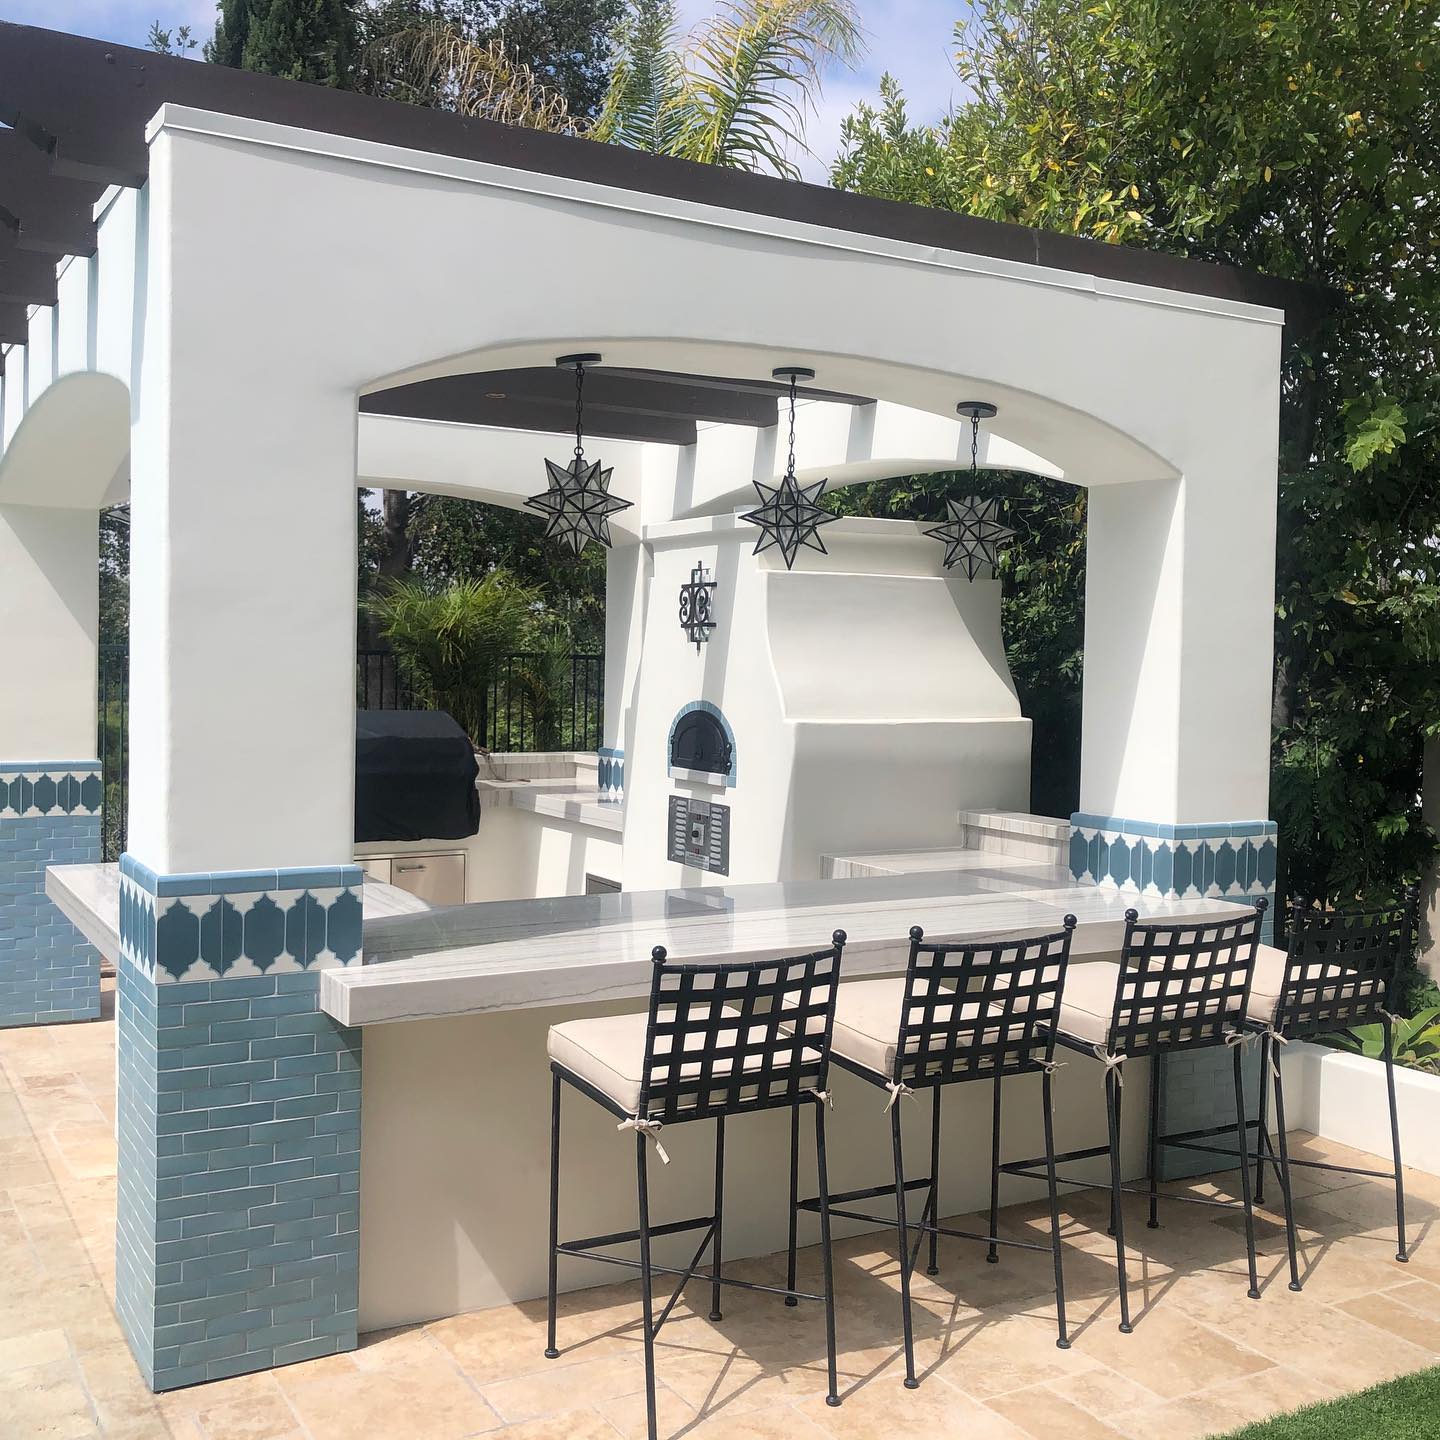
208,363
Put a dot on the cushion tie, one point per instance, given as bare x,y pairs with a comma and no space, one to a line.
1276,1038
1110,1062
825,1098
897,1088
650,1129
1051,1066
1242,1038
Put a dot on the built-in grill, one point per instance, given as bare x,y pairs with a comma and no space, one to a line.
415,776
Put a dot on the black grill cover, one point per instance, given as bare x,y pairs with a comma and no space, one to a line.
414,777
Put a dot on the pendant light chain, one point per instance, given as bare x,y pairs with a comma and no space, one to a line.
974,444
579,411
790,464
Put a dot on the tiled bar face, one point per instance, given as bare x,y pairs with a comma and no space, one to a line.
49,815
237,1238
611,773
1224,860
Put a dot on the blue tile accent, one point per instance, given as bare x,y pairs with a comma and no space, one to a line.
48,973
212,925
611,769
237,1244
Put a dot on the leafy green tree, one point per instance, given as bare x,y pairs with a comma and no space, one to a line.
310,40
1299,139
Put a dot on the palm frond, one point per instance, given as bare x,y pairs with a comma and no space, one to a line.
753,74
430,64
645,81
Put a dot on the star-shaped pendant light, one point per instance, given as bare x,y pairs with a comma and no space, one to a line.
973,535
577,502
789,515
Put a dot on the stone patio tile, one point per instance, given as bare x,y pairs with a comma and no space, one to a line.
1175,1354
422,1400
561,1386
1387,1312
47,1400
885,1408
1224,1407
627,1414
1043,1412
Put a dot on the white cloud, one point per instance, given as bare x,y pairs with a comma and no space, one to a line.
127,22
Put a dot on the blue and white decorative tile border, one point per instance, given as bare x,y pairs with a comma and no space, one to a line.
1217,859
719,714
611,774
32,790
233,924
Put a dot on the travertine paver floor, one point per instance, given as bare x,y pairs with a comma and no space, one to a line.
1202,1359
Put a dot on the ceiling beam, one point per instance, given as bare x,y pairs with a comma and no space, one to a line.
14,323
38,210
27,276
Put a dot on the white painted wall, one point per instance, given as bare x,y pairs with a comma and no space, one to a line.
867,691
49,621
1430,889
1342,1097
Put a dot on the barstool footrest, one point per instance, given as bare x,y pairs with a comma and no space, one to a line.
628,1263
922,1227
873,1193
621,1237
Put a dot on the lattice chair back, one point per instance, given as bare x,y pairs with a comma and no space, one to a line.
724,1038
1183,984
1341,964
978,1010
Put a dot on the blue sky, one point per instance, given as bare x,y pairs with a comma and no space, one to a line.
910,38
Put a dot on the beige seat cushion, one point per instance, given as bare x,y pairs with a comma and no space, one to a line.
867,1025
1088,1004
1088,1000
609,1054
1269,980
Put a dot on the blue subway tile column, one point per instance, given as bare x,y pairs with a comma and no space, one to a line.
237,1236
1223,861
611,774
49,815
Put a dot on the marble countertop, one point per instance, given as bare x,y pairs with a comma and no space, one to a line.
89,897
509,955
561,799
987,868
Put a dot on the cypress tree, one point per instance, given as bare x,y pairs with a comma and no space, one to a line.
310,40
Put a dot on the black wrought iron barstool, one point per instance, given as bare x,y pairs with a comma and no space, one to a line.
978,1011
1337,971
1176,987
718,1040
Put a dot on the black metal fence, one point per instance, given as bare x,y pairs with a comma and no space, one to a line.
536,700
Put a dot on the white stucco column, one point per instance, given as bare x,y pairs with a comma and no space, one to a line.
50,785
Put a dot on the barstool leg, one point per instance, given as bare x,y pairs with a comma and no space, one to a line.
1285,1177
1244,1160
1064,1341
1262,1134
717,1247
992,1255
1117,1218
1152,1164
903,1234
794,1199
934,1267
550,1351
642,1186
823,1176
1402,1253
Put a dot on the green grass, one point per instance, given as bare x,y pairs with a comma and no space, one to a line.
1404,1409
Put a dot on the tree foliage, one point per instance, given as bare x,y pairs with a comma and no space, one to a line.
310,40
1300,139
